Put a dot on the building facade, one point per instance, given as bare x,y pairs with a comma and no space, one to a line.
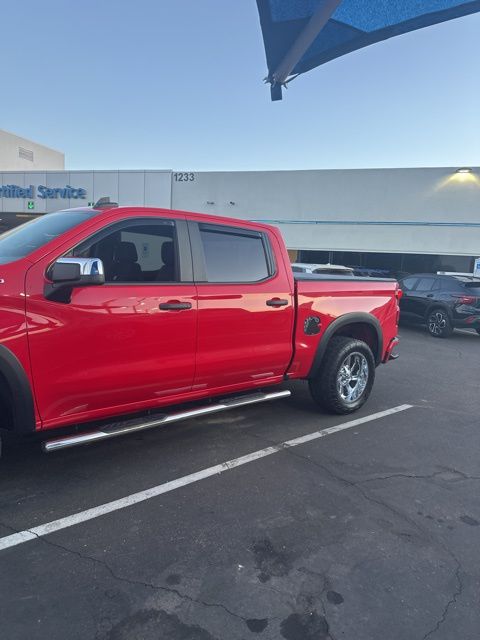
402,220
20,154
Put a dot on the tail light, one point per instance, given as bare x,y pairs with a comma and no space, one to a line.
466,299
398,294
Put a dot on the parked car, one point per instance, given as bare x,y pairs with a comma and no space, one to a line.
443,302
322,269
115,312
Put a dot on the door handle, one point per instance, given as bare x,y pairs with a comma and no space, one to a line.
174,305
276,302
429,295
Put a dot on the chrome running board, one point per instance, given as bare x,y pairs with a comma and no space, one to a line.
140,424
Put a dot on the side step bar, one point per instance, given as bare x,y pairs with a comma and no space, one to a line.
140,424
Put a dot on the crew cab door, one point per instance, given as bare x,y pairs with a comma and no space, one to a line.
245,307
119,347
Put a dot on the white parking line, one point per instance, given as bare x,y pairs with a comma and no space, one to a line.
89,514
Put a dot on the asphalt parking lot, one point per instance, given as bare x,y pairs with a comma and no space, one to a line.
371,532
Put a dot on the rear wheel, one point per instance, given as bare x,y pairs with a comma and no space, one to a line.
439,324
346,377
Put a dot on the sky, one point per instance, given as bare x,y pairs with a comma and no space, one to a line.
178,84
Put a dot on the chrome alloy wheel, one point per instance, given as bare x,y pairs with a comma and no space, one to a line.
437,322
352,377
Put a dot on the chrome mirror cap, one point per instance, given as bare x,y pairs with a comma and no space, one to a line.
88,266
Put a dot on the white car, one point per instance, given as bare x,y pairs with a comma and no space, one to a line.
323,269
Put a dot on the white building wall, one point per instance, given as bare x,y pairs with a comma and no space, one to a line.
20,154
386,210
391,210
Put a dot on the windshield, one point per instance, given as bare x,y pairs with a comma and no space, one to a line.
21,241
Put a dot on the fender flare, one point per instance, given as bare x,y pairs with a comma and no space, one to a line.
23,408
335,326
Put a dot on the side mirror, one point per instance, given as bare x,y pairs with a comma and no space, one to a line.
64,272
67,273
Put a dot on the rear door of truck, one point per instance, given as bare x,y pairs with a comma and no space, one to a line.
245,306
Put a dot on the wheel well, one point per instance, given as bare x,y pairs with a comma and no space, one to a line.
360,326
360,331
6,405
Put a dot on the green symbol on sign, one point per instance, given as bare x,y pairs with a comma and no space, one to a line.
31,204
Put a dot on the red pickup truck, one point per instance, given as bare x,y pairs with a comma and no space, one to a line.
109,314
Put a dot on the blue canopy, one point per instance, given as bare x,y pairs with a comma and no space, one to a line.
300,35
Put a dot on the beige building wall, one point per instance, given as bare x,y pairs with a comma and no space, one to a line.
21,154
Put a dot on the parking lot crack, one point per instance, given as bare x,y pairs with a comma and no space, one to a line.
353,485
456,594
130,581
416,476
370,498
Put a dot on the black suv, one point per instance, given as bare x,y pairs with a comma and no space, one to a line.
443,302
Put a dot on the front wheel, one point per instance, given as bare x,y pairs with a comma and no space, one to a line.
346,377
439,324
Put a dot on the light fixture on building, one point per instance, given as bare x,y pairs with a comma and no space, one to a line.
232,203
464,177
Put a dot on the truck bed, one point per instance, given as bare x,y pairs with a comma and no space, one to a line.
325,303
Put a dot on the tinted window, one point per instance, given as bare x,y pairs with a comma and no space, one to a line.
233,257
452,284
141,252
21,241
473,287
409,283
425,284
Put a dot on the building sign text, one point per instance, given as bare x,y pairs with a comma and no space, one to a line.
45,193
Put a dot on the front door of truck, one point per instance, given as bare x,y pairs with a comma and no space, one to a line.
123,346
245,307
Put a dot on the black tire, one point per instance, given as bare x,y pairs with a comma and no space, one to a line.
478,331
439,324
326,389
